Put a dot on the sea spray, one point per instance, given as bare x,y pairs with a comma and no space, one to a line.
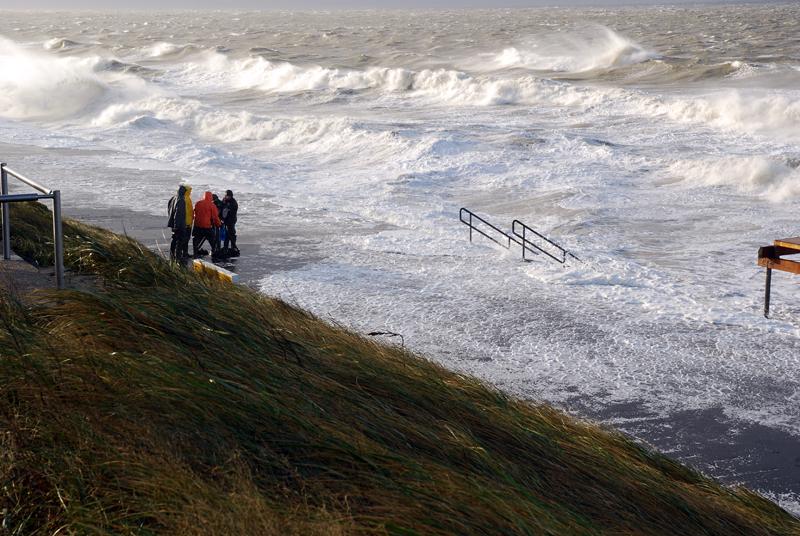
592,48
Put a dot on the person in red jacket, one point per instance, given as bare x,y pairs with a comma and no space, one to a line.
206,218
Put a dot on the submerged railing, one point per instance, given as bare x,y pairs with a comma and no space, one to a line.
556,252
520,234
44,193
469,219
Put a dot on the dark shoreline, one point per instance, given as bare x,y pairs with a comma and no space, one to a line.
257,259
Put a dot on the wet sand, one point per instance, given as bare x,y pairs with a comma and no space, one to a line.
732,451
259,257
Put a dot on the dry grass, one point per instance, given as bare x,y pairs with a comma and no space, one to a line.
164,403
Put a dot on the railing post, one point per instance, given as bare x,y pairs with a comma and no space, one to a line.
58,239
6,218
470,227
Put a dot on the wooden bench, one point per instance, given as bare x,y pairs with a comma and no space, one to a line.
770,258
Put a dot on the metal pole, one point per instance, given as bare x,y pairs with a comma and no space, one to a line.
767,292
524,240
6,219
470,227
58,239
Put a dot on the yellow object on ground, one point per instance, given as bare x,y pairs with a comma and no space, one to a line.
213,270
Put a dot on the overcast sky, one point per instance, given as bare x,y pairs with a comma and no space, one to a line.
315,4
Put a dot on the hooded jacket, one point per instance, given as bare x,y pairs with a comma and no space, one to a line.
177,210
230,208
205,213
187,196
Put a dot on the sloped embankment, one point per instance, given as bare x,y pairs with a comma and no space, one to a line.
156,401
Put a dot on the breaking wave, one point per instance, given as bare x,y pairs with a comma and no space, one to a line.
748,112
328,136
61,44
45,87
438,85
775,179
167,50
596,48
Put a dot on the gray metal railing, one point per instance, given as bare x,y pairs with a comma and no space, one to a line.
45,193
520,234
469,218
557,253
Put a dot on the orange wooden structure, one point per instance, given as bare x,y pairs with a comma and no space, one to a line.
770,257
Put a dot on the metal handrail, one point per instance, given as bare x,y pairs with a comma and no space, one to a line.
30,182
46,193
527,245
509,238
526,229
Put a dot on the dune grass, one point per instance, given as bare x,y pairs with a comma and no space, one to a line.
156,401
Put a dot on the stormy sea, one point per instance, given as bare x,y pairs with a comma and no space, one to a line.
659,145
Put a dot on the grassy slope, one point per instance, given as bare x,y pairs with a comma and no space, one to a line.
161,402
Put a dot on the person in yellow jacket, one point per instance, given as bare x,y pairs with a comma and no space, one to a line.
181,215
187,235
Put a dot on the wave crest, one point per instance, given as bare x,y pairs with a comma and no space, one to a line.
772,178
61,44
440,85
748,112
596,48
43,87
328,136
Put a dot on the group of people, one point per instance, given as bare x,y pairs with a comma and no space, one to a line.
211,219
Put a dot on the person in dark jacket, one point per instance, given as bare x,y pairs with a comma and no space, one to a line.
229,211
180,221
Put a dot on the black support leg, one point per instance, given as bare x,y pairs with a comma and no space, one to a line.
767,292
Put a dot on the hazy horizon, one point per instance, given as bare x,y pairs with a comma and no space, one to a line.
28,5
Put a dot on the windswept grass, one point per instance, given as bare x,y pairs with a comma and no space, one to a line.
162,402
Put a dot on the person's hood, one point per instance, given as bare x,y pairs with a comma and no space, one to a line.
181,190
188,189
208,198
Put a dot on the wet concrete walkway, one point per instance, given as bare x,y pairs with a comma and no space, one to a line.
19,277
